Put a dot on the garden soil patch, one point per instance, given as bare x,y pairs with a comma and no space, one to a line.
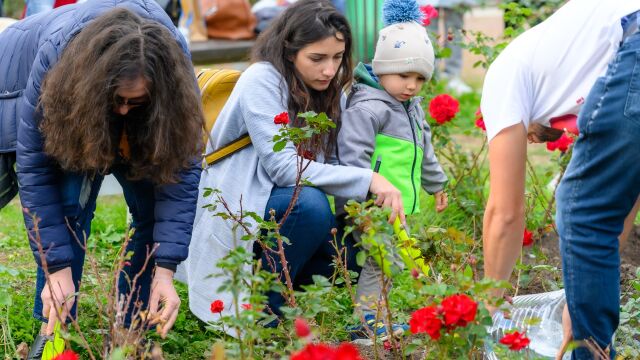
630,261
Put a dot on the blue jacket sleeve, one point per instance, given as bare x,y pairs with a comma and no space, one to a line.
175,210
37,175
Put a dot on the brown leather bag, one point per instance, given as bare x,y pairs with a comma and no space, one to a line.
229,19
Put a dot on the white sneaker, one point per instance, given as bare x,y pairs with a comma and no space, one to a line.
458,86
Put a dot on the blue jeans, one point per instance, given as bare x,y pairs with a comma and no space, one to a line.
38,6
598,190
79,207
308,229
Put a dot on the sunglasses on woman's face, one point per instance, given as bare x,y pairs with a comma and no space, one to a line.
133,102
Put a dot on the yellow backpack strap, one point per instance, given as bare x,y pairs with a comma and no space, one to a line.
215,87
229,149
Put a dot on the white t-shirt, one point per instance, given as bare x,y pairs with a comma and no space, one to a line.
548,71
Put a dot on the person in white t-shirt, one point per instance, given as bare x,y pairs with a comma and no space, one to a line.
580,61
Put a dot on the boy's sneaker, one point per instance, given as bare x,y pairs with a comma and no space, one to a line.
377,328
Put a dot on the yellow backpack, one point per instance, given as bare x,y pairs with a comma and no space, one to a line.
215,87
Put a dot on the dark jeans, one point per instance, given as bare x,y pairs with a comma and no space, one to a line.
308,229
79,210
599,189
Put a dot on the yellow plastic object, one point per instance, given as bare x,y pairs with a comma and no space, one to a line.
54,347
410,254
215,87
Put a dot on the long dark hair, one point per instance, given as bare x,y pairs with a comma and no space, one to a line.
303,23
78,97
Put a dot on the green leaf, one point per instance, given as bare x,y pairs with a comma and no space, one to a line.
468,272
361,257
279,146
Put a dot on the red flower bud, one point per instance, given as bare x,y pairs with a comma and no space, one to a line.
281,119
527,238
302,328
415,273
217,306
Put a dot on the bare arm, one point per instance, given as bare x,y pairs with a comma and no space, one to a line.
504,215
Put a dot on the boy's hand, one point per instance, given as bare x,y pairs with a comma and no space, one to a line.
441,201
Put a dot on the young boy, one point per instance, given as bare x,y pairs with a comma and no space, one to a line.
384,120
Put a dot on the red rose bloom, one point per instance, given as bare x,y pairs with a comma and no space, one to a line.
561,144
443,108
429,13
459,310
217,306
314,352
426,320
527,238
247,306
302,328
67,355
281,119
480,120
515,341
346,351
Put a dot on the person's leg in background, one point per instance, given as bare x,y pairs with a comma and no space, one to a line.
453,24
605,156
140,199
308,229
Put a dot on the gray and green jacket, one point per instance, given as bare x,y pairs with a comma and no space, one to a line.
376,125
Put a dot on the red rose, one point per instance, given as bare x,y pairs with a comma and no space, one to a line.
302,328
281,119
480,120
247,306
561,144
443,108
314,352
515,341
527,238
429,13
346,351
426,320
414,273
67,355
459,310
217,306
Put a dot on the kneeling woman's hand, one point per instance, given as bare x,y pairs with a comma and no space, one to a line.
58,296
164,302
387,195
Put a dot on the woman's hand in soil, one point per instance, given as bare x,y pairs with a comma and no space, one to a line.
58,296
441,201
164,302
387,195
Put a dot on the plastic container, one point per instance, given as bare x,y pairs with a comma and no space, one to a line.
540,315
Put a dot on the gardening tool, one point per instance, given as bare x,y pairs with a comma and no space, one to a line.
406,245
47,347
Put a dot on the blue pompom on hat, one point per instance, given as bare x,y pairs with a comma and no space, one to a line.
403,45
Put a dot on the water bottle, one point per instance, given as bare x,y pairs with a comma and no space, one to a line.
540,315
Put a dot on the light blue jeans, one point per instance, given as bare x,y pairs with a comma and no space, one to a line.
38,6
598,190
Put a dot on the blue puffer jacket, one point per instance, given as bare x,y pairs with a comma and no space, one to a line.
28,49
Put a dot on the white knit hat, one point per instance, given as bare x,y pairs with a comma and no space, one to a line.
403,46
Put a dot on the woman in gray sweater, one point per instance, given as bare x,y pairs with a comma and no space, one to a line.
300,63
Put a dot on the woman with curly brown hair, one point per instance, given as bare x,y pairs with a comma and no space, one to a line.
90,89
